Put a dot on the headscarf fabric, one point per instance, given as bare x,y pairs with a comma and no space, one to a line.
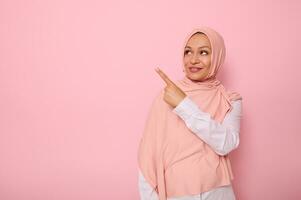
173,159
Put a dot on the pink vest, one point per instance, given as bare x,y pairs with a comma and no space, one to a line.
172,158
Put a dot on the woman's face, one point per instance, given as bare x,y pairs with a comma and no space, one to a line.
197,57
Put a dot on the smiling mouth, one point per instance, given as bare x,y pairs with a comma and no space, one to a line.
195,69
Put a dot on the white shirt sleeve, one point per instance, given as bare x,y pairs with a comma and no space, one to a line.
146,191
221,137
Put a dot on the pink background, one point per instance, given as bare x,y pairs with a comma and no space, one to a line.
77,79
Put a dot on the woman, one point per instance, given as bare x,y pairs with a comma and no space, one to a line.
192,126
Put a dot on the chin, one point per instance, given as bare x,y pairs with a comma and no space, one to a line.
195,77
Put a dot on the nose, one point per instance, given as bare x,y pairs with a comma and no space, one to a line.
194,59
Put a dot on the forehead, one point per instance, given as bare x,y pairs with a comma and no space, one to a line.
198,40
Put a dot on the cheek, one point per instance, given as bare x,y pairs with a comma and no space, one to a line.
207,61
207,70
185,60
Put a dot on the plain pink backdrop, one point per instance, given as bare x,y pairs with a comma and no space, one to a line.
77,79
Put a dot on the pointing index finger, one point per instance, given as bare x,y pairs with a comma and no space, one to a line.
164,76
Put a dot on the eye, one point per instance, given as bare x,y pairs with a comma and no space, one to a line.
186,52
205,52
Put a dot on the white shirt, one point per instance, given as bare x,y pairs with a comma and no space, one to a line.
222,137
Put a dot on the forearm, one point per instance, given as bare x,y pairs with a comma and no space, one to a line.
222,137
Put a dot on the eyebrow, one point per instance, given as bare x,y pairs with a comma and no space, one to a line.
198,48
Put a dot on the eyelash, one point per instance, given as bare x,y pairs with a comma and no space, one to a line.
185,52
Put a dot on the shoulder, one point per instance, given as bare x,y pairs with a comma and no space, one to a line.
237,102
236,106
233,95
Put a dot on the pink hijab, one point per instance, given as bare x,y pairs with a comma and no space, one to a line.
172,158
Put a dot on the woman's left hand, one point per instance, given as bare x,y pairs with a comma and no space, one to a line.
173,94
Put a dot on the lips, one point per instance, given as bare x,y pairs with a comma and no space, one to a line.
194,69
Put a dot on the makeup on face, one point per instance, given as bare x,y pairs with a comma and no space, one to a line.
194,69
197,56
